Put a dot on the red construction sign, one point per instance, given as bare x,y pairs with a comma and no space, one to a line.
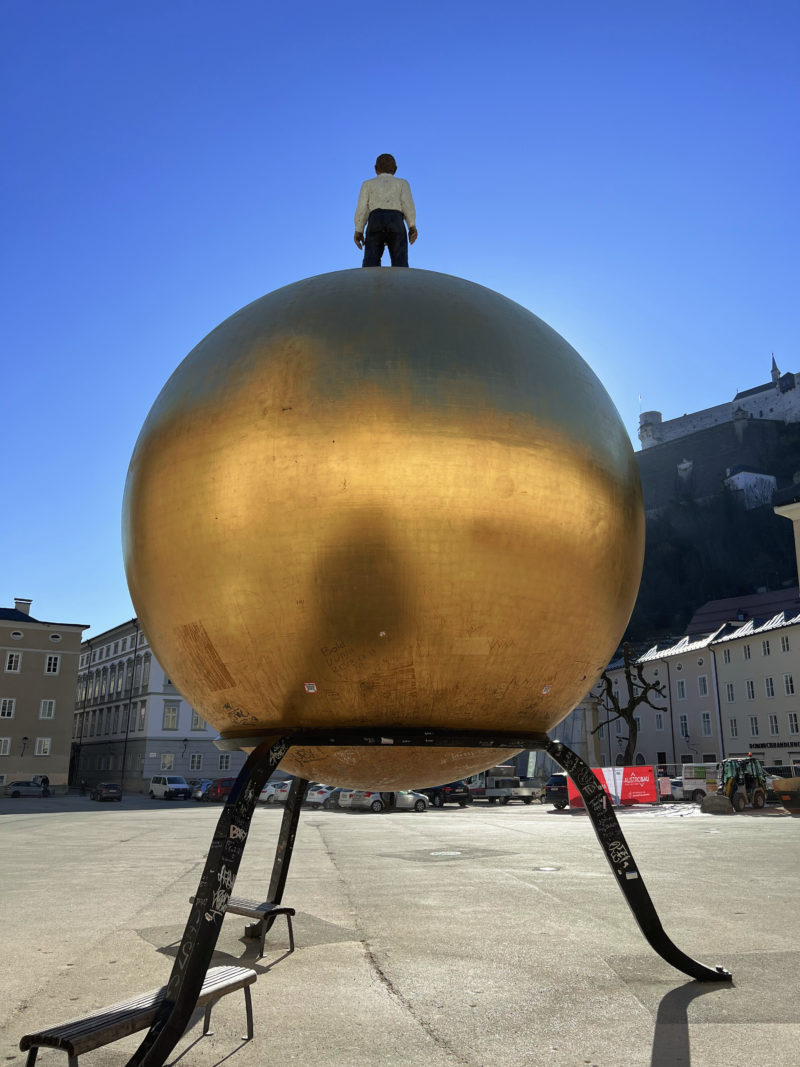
623,785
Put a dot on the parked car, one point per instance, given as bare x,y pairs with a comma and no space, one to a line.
452,793
345,798
331,802
267,794
676,788
361,800
219,790
373,800
169,787
199,790
317,794
24,789
106,791
410,800
282,791
555,791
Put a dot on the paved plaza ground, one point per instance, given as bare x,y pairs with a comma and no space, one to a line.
477,937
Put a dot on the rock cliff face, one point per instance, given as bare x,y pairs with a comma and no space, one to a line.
701,543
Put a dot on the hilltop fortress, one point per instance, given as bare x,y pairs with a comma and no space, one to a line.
749,446
778,399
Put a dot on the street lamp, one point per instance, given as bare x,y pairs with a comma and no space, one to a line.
25,741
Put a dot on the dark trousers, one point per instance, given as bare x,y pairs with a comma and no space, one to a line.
385,229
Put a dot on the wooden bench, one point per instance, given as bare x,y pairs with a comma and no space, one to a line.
126,1017
252,909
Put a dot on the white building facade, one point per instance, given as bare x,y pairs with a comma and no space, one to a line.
130,722
725,694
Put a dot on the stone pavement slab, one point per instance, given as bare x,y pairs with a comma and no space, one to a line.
477,936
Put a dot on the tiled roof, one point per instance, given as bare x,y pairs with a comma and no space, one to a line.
736,610
12,615
756,389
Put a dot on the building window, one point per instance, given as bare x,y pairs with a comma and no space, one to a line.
42,747
734,727
765,647
793,725
680,689
7,708
197,722
709,757
142,713
684,726
167,761
773,725
601,731
784,642
170,716
120,679
702,685
750,686
769,687
746,652
726,655
47,709
224,761
13,662
788,685
619,726
753,726
52,664
729,692
196,761
115,723
706,723
659,722
5,746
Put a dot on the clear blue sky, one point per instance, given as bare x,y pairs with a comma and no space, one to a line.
626,170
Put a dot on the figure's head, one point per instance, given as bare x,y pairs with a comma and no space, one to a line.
385,164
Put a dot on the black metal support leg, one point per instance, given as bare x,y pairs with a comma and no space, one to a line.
622,864
280,865
208,911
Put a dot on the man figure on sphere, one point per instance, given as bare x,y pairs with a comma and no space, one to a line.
385,205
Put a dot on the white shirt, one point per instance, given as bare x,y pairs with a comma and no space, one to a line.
387,192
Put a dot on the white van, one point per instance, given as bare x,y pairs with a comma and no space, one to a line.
168,787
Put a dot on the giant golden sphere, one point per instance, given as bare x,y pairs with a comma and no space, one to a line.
383,498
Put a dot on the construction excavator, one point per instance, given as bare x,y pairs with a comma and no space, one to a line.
743,782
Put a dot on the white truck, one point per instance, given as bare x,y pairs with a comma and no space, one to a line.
501,785
698,780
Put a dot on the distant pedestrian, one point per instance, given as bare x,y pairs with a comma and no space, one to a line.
45,786
386,206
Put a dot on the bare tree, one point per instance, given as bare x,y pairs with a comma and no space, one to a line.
619,705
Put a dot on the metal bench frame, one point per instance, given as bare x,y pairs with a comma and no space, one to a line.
88,1032
216,884
264,914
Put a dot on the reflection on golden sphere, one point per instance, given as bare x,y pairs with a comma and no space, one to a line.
383,498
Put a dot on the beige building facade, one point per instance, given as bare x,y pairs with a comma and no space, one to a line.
37,687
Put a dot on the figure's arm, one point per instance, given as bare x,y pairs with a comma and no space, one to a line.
362,213
409,211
